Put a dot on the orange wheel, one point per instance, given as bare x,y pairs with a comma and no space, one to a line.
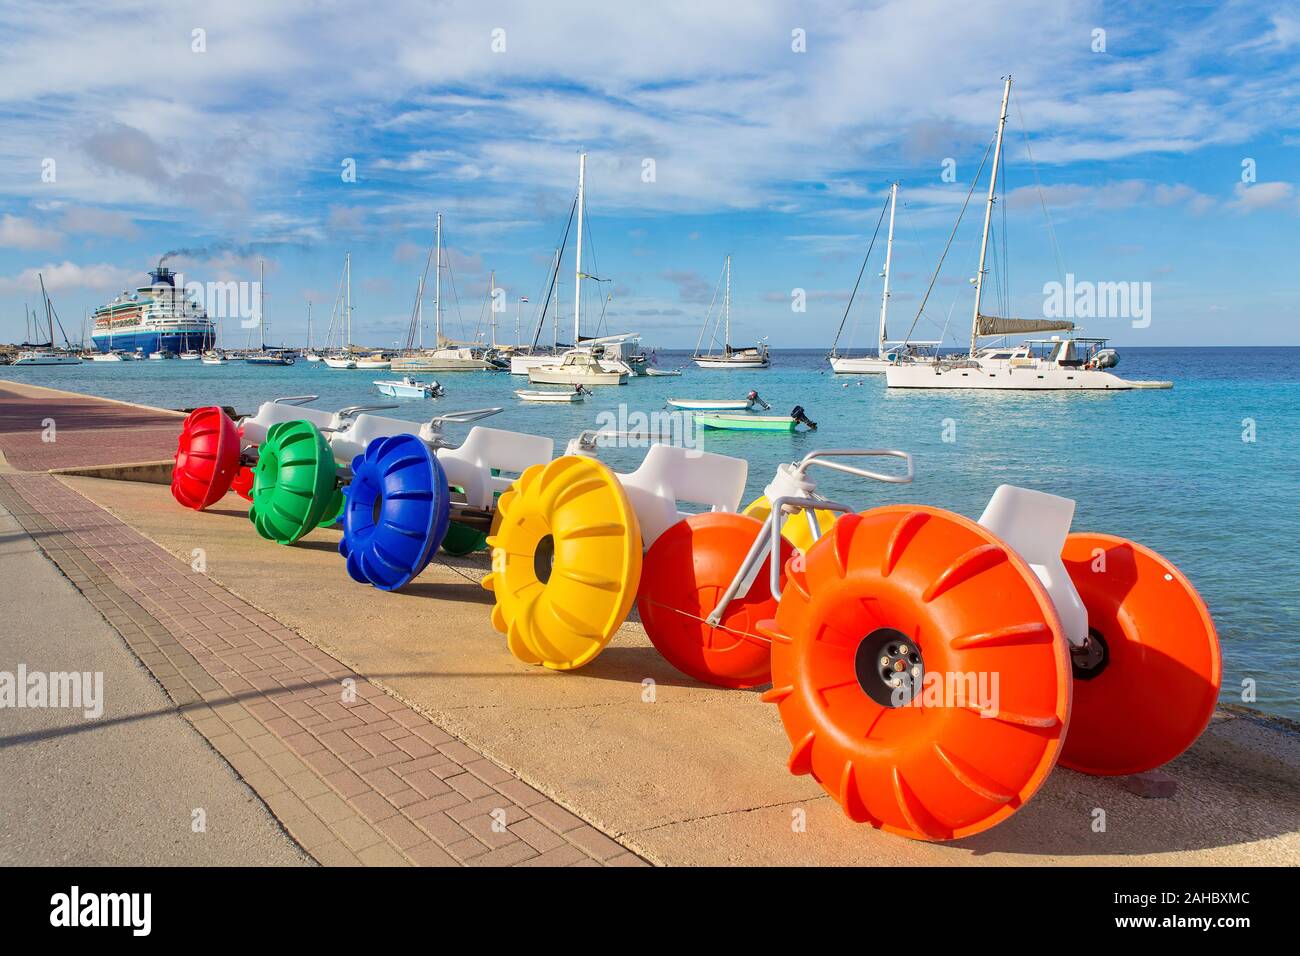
914,592
684,574
1152,686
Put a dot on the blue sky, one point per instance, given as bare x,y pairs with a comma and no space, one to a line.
778,157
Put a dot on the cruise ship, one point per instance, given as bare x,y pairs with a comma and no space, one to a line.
156,317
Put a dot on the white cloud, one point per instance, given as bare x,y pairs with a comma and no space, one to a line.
67,275
1256,196
18,233
99,222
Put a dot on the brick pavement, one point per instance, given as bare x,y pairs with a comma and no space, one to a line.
89,431
355,776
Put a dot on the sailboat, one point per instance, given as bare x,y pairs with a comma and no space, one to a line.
1072,363
886,352
48,354
343,358
310,355
264,356
619,352
729,357
447,355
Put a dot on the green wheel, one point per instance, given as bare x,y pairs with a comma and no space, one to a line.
295,483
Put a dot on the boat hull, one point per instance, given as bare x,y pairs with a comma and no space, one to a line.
556,375
146,342
561,397
747,423
733,362
48,359
864,365
440,365
1003,377
707,405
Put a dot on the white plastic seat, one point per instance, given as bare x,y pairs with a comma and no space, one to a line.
354,435
268,414
670,474
1035,524
470,464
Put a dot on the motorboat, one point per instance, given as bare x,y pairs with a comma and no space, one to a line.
408,387
578,367
578,394
719,404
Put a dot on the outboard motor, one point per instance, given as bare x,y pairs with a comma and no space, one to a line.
798,415
753,397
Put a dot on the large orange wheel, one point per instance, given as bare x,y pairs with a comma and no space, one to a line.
1152,687
910,590
684,574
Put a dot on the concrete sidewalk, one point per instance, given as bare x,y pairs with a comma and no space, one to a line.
681,772
122,788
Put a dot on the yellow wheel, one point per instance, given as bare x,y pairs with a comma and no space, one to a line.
566,562
795,528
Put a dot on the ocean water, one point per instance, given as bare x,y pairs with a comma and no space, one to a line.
1207,473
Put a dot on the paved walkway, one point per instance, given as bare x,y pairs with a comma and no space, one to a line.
76,790
85,430
355,776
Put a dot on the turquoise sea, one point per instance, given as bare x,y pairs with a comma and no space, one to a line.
1207,473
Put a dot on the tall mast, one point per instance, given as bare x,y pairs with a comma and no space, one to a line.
889,251
309,325
49,317
347,300
726,338
988,218
261,305
437,283
419,311
492,305
577,259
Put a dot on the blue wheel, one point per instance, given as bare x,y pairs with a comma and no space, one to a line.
397,512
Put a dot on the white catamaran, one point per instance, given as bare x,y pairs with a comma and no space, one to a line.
1056,363
728,357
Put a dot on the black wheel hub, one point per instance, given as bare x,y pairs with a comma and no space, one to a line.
1091,659
544,558
889,667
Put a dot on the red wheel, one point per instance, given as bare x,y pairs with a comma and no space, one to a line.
914,591
684,574
207,457
243,483
1153,687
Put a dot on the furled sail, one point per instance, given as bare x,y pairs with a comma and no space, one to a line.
996,325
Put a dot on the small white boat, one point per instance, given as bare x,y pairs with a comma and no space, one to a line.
340,361
718,404
190,356
312,357
579,394
662,373
106,356
579,367
408,387
213,357
374,361
161,355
